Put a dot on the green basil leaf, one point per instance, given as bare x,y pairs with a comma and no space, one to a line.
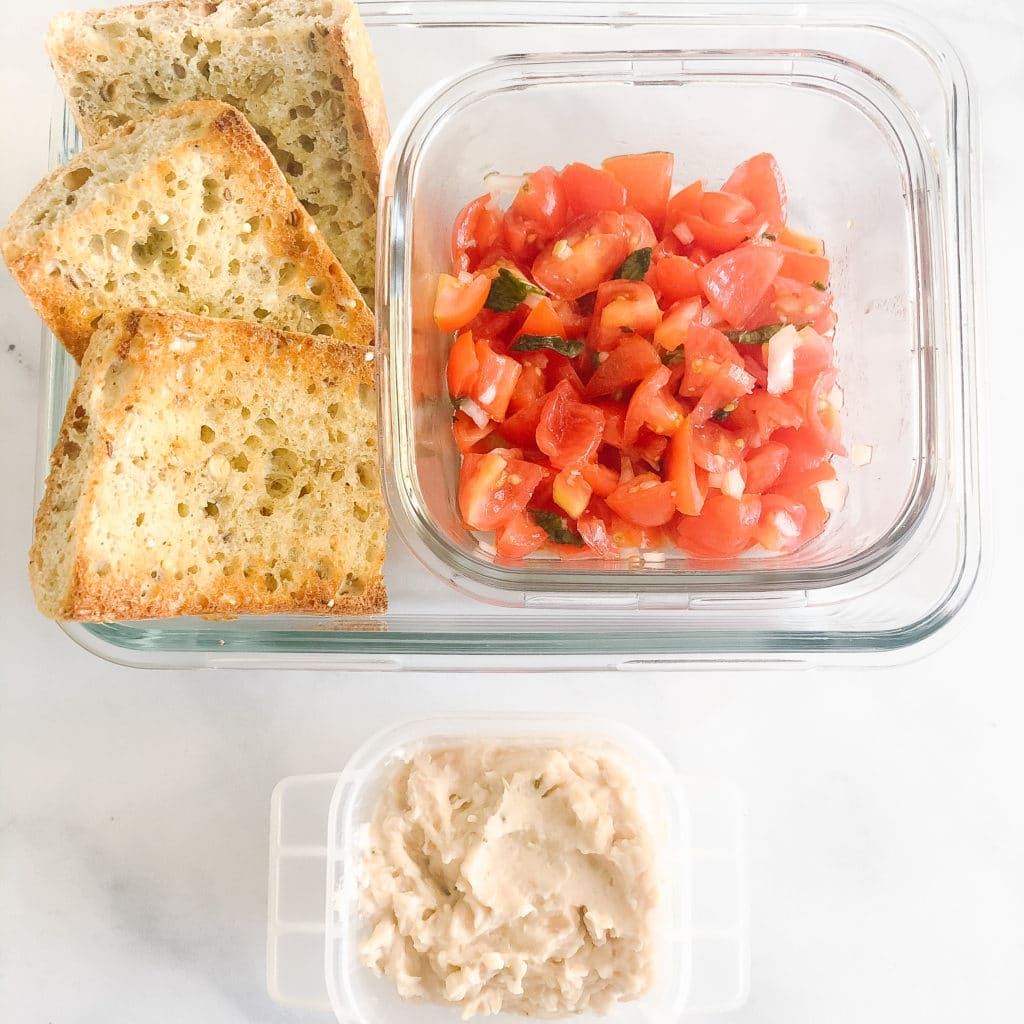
508,291
556,528
673,358
818,284
635,265
759,335
535,342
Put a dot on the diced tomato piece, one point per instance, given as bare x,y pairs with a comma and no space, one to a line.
676,278
716,449
707,351
653,406
494,328
760,180
648,181
820,416
807,462
622,308
537,214
476,231
816,514
543,320
764,466
685,203
812,356
594,531
797,303
495,381
759,415
518,537
725,208
729,385
673,329
561,368
736,282
569,431
468,436
648,447
626,365
639,233
571,491
530,387
825,322
681,470
587,253
798,240
646,500
591,190
780,527
670,245
725,528
493,488
803,266
614,421
463,366
602,479
716,238
521,427
629,537
457,303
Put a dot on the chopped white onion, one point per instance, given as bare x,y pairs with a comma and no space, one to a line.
532,299
497,182
625,470
475,413
683,233
833,494
781,347
465,277
654,557
732,483
860,454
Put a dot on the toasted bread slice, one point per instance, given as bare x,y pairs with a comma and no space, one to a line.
302,71
212,467
185,210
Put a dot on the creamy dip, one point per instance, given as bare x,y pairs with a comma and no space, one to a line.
516,878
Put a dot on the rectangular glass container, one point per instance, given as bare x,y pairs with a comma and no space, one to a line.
869,113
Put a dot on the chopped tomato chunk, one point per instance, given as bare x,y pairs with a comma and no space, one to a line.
569,430
648,181
494,487
737,281
645,500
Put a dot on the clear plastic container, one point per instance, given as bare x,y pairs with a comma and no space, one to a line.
317,827
869,113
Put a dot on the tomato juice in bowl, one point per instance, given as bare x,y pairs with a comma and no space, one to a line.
858,175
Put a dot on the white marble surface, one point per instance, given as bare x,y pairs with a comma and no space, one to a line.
886,815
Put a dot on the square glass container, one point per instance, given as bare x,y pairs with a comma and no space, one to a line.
869,113
318,826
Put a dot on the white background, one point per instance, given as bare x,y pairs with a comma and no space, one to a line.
886,808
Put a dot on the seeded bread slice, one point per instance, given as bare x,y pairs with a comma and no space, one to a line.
302,71
185,210
212,467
